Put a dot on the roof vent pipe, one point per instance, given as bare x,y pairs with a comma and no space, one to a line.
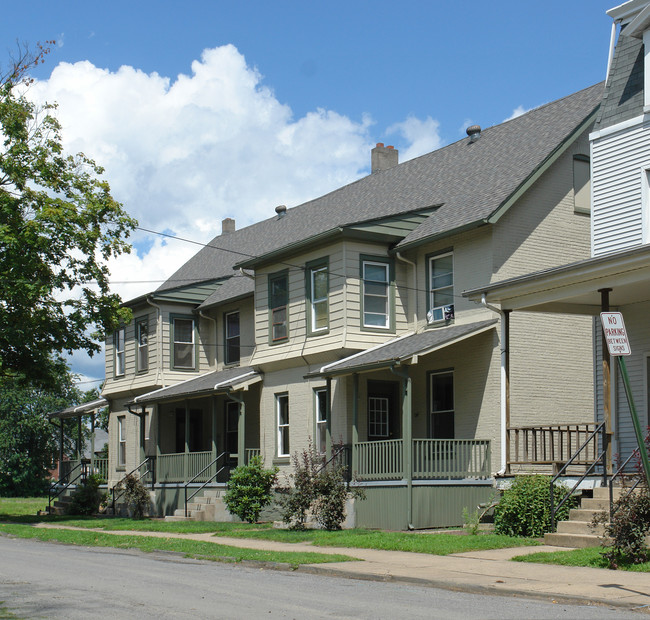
474,132
281,210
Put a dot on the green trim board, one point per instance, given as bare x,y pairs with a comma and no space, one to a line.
172,337
371,260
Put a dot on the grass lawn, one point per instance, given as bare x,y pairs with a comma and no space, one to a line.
189,548
436,544
17,506
590,557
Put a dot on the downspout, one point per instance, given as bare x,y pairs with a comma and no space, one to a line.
610,57
407,439
160,377
504,382
246,275
414,290
216,347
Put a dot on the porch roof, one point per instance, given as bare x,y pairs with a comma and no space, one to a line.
404,348
78,410
209,383
574,288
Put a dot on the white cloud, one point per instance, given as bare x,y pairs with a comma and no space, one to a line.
518,111
183,154
423,136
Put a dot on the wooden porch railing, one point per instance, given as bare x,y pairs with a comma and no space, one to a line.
451,459
251,452
182,466
378,460
551,445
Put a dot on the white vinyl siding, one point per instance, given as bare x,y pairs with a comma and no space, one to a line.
619,162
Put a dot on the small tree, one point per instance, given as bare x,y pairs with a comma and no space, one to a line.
87,497
250,489
135,495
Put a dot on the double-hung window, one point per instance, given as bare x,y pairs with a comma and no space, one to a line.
278,302
441,288
184,352
318,289
282,413
231,321
378,414
118,345
321,419
121,441
441,407
376,277
142,336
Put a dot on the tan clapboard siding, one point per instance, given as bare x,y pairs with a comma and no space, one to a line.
299,342
246,310
618,163
542,229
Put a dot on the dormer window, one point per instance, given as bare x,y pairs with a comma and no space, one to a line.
441,288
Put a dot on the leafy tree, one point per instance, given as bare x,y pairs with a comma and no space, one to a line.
250,489
29,444
58,226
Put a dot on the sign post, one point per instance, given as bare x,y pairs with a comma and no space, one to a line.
619,346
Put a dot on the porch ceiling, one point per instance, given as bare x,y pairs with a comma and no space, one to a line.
573,289
210,383
405,348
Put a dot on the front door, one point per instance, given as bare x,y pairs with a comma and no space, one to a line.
383,410
232,431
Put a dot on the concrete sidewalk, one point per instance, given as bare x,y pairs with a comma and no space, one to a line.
487,572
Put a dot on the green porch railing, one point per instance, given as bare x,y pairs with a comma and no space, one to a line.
99,467
181,466
451,459
378,460
251,452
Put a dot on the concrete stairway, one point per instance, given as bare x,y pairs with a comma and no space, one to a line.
206,506
578,531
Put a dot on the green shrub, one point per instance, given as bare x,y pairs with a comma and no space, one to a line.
250,489
317,488
135,495
87,497
627,530
525,509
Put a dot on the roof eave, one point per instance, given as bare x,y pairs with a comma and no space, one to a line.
441,235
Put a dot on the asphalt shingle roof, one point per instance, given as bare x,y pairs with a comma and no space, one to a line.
405,347
219,380
469,180
233,288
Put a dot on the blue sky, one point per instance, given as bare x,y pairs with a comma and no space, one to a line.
203,110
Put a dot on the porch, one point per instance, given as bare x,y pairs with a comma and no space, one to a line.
199,467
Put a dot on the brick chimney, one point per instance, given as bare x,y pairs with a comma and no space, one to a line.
227,226
383,157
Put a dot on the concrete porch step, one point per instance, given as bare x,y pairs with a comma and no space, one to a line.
558,539
580,527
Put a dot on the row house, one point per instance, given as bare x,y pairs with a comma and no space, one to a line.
341,322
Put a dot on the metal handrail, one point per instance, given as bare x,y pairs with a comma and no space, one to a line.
601,456
51,497
214,462
619,472
117,496
343,448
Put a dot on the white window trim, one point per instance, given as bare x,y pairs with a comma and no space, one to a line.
320,422
143,350
432,308
121,441
314,301
382,425
120,360
386,268
280,449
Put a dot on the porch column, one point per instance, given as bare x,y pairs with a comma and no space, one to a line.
61,440
214,427
186,458
407,425
607,386
157,411
241,432
328,418
506,386
79,443
143,432
355,420
92,442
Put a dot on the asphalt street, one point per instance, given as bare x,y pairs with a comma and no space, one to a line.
45,580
